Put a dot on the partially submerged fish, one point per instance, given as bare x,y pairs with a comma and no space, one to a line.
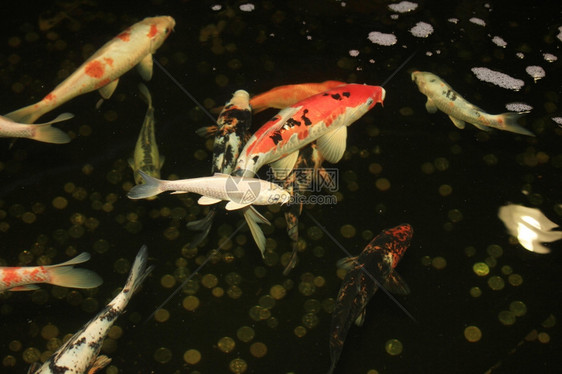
240,192
80,353
42,132
306,170
323,117
26,278
442,96
530,226
281,97
146,156
376,262
231,133
132,47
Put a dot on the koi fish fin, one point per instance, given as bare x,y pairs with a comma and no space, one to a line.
510,120
346,263
27,114
360,320
395,284
145,93
107,90
430,106
145,67
332,145
203,225
131,163
482,127
27,287
252,217
161,163
138,272
150,187
99,363
457,122
34,367
178,192
282,167
65,275
207,132
231,205
45,133
208,200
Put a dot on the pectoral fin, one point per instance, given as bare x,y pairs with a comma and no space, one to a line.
347,263
231,205
27,287
458,122
107,90
207,200
282,167
430,106
145,67
361,318
252,218
332,145
395,284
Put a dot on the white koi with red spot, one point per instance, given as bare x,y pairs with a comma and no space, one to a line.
132,47
25,278
442,96
323,117
80,354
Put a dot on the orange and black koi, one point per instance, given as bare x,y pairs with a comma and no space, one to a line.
373,267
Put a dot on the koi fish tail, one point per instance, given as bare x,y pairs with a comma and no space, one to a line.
138,273
253,217
45,133
28,114
510,123
203,225
65,275
150,187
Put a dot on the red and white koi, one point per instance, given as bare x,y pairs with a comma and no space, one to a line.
25,278
42,132
374,265
80,354
283,96
442,96
323,117
240,192
132,47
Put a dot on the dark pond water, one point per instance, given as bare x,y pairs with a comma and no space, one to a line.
446,182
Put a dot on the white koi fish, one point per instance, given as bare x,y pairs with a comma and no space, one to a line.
240,192
132,47
442,96
146,156
25,278
80,354
42,132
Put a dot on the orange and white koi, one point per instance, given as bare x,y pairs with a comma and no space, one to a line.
373,267
283,96
80,353
323,117
132,47
42,132
25,278
442,96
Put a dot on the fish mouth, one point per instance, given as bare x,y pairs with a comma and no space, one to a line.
383,94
